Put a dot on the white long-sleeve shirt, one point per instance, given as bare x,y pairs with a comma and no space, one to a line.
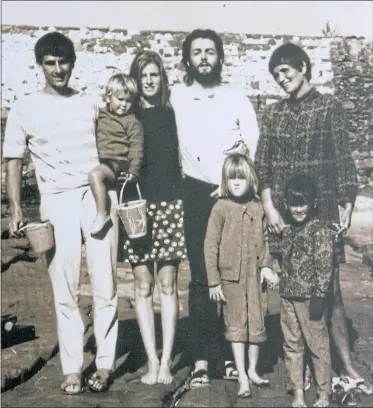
209,122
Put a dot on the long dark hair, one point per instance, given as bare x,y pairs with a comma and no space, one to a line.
140,61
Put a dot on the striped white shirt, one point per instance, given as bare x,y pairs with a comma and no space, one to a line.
60,134
209,122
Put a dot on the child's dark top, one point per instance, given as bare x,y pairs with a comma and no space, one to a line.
306,260
120,139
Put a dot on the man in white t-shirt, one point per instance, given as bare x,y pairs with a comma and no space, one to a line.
210,119
57,125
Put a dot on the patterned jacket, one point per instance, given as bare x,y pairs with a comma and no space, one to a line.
306,259
308,136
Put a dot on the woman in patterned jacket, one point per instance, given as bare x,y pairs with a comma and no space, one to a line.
307,133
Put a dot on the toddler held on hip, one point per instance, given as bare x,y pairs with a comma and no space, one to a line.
120,140
239,265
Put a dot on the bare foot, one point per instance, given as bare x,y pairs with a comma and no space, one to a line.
298,401
322,401
164,374
256,379
244,389
151,376
99,223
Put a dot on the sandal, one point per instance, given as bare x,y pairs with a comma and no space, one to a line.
100,381
349,383
200,379
73,381
231,372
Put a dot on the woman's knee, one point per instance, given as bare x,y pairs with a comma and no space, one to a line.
144,288
167,285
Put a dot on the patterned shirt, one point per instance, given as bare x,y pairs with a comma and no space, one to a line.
308,136
306,260
60,134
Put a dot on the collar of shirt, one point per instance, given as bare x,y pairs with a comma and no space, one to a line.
198,92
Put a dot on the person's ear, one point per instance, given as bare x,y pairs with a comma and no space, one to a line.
303,67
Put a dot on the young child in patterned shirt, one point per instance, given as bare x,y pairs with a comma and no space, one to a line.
120,139
305,256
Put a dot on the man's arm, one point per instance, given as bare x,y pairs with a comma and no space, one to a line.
13,184
13,150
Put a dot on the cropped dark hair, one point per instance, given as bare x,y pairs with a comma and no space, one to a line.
292,55
201,33
55,44
300,190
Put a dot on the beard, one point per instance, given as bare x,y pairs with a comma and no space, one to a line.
207,78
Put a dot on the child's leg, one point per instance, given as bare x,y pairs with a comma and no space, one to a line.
166,282
293,349
253,362
144,285
239,354
98,179
317,338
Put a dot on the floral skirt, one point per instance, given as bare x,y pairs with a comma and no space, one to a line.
165,240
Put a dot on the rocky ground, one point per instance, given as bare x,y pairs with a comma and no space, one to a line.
31,371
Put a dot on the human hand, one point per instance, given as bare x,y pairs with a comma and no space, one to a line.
216,294
239,147
15,223
345,218
216,193
124,176
270,277
275,223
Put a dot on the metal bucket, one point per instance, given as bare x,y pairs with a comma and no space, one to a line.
133,214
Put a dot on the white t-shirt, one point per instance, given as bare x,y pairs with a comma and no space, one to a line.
209,122
60,134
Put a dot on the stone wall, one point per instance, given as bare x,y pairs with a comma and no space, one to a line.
341,66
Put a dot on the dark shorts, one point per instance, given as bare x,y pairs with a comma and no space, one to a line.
116,166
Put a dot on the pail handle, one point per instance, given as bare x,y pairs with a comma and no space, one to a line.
122,189
31,224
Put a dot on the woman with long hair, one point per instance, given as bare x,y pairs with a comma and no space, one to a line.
156,257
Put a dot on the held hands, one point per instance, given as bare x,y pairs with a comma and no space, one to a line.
239,147
269,276
216,294
275,223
